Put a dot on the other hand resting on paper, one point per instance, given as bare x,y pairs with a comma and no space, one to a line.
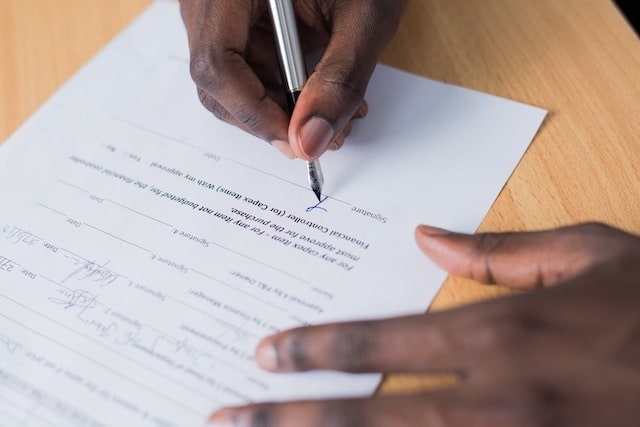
564,353
235,67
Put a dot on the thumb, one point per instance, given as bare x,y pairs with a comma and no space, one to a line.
524,260
336,88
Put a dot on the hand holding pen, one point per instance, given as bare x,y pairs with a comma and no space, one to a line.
294,72
235,66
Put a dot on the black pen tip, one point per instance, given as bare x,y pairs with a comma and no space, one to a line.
318,193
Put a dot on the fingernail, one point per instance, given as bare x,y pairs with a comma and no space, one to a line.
221,418
284,148
433,231
314,136
267,357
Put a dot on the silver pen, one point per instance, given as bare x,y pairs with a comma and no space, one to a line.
293,71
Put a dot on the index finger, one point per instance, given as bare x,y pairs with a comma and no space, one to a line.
445,341
218,39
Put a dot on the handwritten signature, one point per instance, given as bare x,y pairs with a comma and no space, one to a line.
77,298
317,205
166,348
92,271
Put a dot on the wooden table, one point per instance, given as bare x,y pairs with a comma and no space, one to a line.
577,58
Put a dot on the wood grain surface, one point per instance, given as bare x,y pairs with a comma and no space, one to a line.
579,59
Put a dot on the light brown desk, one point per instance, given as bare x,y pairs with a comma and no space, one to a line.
577,58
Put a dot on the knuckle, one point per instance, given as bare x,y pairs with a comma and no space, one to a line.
345,78
594,227
220,113
297,350
353,345
530,406
208,72
590,236
388,13
487,244
249,118
256,117
586,241
510,331
213,106
262,415
348,348
201,70
379,19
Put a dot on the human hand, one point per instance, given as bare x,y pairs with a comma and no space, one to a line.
235,67
565,354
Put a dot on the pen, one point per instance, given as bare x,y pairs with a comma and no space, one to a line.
293,71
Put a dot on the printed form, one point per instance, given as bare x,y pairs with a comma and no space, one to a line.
146,247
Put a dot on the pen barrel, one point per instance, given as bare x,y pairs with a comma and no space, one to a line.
292,99
289,48
314,174
293,71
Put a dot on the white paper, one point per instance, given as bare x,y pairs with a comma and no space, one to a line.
146,247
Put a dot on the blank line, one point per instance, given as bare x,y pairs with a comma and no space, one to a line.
51,209
72,185
156,133
139,213
116,237
241,291
261,263
266,173
280,178
117,204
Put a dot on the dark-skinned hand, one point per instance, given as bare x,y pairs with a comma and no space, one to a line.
563,353
235,67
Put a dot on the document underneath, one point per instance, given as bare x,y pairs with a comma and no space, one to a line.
146,247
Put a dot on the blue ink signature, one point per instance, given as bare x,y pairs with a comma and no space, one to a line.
317,205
